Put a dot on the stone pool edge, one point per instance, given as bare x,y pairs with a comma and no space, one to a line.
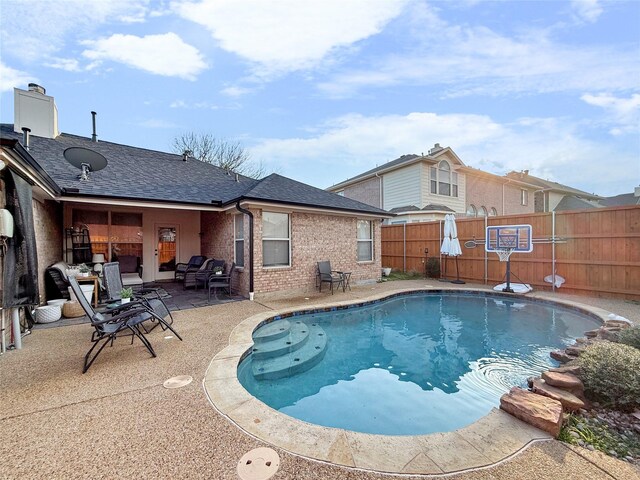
475,446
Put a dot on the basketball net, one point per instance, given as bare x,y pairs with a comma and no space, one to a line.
504,254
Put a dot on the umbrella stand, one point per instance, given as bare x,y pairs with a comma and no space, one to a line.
457,280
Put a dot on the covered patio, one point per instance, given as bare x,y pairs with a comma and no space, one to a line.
117,420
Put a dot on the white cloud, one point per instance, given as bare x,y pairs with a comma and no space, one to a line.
38,29
235,91
477,60
157,123
548,147
623,112
165,54
587,10
68,64
289,35
193,105
10,78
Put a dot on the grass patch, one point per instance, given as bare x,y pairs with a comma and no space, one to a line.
398,275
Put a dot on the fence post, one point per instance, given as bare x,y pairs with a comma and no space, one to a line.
553,251
404,247
486,257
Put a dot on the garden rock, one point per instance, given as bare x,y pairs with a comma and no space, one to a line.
542,412
574,350
561,356
572,369
564,380
568,400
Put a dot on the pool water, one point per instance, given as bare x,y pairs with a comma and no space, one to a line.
419,363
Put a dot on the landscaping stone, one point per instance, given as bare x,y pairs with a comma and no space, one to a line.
608,333
561,356
572,369
568,400
564,380
592,333
574,350
540,411
621,323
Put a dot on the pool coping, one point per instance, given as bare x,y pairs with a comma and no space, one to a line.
492,439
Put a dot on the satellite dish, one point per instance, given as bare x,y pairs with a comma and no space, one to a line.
79,156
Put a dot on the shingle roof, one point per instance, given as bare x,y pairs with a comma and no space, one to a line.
407,208
548,184
573,203
437,208
432,207
384,166
142,174
620,200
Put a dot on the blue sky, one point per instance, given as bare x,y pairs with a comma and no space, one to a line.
323,90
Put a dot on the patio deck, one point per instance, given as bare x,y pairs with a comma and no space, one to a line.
117,420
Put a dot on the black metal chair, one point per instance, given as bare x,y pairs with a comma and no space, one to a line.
326,275
201,277
223,280
106,329
148,298
195,262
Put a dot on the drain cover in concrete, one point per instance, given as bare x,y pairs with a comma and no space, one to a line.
258,464
177,382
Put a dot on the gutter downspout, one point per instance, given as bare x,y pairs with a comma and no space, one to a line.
247,212
381,201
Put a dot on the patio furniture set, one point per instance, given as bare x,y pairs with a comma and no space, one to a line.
333,277
208,273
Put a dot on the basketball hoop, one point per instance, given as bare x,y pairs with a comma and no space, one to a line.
504,254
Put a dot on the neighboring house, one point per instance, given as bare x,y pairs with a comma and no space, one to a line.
419,188
163,208
552,196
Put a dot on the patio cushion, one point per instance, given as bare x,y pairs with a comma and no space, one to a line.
131,279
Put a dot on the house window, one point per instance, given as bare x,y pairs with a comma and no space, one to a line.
443,180
493,212
471,211
365,241
238,230
482,212
276,241
524,197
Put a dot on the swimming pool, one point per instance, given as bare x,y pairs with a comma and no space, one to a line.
409,365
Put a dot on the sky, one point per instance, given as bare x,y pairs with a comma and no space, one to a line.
321,91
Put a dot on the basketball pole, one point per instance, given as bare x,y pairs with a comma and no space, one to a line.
508,288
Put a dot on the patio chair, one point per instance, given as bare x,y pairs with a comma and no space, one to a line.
107,328
201,277
148,298
195,262
326,275
220,281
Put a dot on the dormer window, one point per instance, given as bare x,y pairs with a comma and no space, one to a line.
443,180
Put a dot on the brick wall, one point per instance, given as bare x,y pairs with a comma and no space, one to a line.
367,192
315,238
47,222
488,193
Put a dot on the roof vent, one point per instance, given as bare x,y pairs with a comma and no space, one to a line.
94,136
185,155
34,87
25,137
237,177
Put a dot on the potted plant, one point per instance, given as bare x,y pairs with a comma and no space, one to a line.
84,270
217,270
126,294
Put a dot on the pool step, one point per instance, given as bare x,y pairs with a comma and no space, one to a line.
306,355
272,331
296,337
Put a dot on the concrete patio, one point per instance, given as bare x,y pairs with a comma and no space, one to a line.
118,420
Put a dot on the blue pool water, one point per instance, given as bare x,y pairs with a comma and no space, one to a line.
416,364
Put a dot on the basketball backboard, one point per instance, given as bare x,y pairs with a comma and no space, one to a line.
513,237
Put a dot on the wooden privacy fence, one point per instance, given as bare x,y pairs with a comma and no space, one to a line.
600,255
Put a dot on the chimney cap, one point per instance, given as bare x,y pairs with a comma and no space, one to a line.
34,87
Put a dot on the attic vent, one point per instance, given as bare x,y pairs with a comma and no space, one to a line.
185,155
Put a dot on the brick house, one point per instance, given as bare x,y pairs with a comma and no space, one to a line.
163,208
419,188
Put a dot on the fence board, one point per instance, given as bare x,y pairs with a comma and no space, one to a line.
601,255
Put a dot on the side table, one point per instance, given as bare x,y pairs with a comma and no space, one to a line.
96,286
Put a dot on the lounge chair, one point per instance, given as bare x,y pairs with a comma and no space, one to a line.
148,298
194,264
107,328
326,275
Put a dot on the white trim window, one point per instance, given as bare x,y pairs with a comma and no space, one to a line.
482,212
276,239
524,197
443,180
365,240
493,212
238,239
